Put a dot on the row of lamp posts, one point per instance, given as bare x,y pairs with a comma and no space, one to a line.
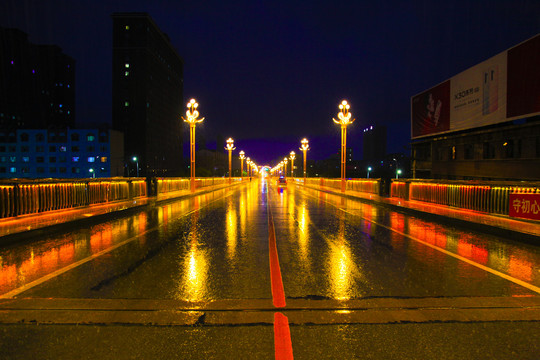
344,117
192,117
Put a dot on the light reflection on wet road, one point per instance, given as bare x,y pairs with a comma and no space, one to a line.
215,249
215,246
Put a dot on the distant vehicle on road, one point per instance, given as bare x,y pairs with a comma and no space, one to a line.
282,182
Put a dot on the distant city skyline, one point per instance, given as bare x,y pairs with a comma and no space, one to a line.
274,73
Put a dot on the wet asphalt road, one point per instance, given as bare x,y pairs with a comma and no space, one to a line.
213,250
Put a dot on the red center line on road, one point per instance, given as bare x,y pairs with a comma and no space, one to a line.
282,334
282,337
278,293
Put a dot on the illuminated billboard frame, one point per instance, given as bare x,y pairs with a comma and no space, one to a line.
502,88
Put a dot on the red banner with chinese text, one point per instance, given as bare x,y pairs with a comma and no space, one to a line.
525,206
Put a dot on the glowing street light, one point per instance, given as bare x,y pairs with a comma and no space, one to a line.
304,148
92,172
192,119
230,147
292,157
398,172
242,157
285,161
137,163
344,119
248,162
368,171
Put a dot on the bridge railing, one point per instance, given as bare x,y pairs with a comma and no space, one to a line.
167,185
362,185
21,197
491,197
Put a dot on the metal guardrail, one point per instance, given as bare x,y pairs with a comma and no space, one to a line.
490,197
165,185
363,185
21,197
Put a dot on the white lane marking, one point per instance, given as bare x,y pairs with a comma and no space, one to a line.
531,287
41,280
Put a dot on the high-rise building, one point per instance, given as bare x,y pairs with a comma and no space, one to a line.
374,143
147,94
37,84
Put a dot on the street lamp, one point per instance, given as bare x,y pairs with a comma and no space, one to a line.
304,148
248,161
137,162
285,161
368,171
242,157
398,172
230,147
92,172
344,119
193,119
293,156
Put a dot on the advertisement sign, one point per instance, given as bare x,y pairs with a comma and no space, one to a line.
431,111
524,78
478,95
525,206
502,88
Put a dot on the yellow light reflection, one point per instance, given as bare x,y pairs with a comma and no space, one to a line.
231,229
341,265
303,239
195,265
340,271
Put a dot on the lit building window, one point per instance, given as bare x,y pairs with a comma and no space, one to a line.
90,137
126,104
26,159
63,149
75,159
91,159
103,159
12,170
126,73
127,65
127,27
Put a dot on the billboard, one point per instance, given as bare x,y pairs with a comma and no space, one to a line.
502,88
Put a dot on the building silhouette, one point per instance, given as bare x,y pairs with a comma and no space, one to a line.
37,84
71,153
147,94
374,143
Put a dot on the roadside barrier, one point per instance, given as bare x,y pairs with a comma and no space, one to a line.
490,197
21,197
165,185
362,185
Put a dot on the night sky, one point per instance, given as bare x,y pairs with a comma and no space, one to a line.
268,73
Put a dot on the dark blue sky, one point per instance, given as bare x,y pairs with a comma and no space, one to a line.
276,70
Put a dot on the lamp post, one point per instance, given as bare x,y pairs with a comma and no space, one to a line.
230,147
398,172
248,166
305,148
92,172
137,163
344,119
192,119
285,161
292,157
242,157
368,171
